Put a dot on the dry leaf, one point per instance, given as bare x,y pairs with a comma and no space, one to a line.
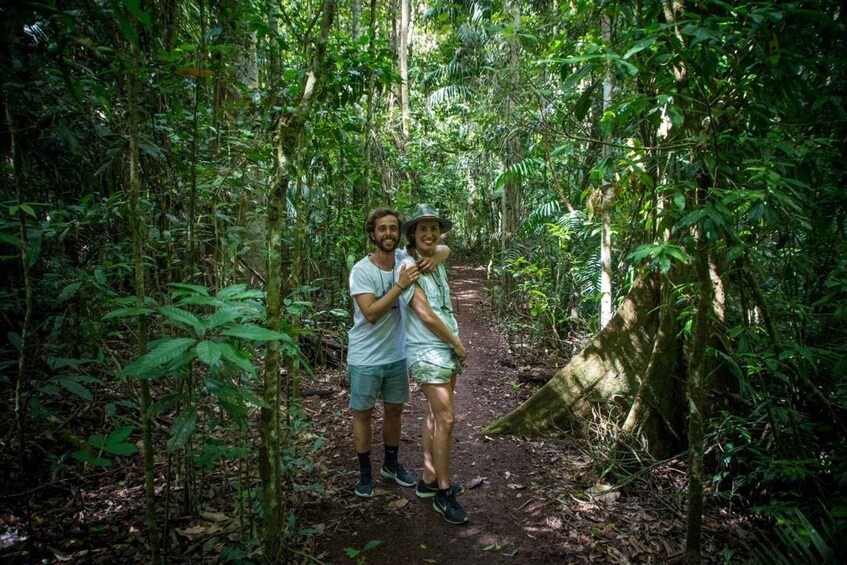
602,493
214,516
192,532
399,503
477,481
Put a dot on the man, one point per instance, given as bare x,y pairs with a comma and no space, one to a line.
434,354
376,362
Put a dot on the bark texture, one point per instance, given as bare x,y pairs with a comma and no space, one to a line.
635,360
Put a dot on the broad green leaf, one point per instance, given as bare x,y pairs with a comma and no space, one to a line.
33,252
183,289
371,544
297,307
639,46
29,211
222,317
83,456
150,365
134,6
238,358
183,427
72,385
576,77
100,462
229,398
256,333
119,435
69,291
641,252
15,340
677,253
228,292
128,30
209,352
120,448
165,402
198,300
9,239
100,276
97,441
170,349
183,318
252,398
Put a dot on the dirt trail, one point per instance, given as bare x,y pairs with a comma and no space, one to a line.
515,516
529,500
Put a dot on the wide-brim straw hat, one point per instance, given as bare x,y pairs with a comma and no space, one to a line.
425,212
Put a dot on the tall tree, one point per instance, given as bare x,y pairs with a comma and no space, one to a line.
403,61
606,190
511,151
137,227
292,125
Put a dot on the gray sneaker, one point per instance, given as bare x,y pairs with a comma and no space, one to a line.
449,508
400,475
428,490
365,487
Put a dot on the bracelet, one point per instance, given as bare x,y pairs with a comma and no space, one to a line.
401,288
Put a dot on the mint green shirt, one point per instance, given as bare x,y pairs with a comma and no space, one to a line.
422,344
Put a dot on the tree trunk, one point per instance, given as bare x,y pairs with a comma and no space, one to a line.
605,207
291,126
636,351
18,180
403,59
138,262
355,15
510,202
696,394
363,189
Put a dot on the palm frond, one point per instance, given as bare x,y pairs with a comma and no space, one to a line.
800,541
448,94
517,170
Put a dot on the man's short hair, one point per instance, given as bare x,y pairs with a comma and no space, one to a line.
377,213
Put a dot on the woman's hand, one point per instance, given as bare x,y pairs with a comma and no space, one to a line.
460,350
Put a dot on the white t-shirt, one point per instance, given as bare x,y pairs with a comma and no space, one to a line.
380,343
422,344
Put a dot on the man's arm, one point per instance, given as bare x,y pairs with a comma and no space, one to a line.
374,309
433,323
428,264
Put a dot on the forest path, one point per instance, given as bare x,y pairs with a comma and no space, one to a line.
522,511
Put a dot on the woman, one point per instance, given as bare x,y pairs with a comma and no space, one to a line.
434,354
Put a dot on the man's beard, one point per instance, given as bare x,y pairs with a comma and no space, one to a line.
382,247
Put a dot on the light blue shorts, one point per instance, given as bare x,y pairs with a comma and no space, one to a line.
389,381
429,374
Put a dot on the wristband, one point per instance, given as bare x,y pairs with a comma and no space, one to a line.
401,288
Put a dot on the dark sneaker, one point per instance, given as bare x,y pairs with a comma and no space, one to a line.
450,509
365,487
428,490
400,475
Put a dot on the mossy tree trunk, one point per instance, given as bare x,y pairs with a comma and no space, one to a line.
291,126
137,226
635,360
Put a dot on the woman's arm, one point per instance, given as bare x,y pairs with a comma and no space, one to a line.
433,323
